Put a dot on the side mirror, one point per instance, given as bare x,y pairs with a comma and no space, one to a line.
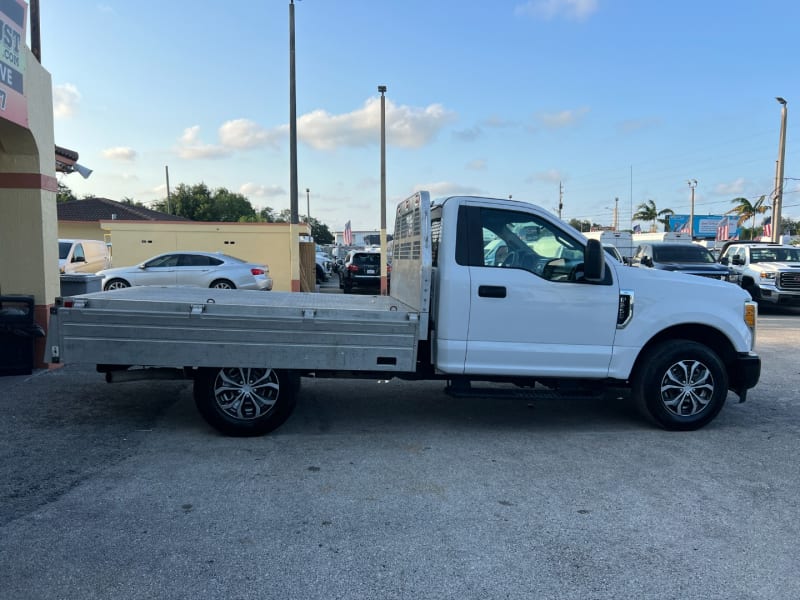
647,261
724,261
594,261
737,260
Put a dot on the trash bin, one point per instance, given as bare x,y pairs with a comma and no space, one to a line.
17,333
74,284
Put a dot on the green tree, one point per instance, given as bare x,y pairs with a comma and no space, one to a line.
647,211
746,210
64,194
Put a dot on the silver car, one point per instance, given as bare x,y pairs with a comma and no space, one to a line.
199,269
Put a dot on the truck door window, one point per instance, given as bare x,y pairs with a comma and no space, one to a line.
520,240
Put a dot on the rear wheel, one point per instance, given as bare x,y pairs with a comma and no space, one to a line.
244,401
681,385
222,284
117,284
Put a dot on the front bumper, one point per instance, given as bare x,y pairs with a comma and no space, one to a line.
744,373
775,296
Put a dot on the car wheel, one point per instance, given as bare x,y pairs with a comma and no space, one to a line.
752,289
244,401
320,274
222,284
680,385
117,284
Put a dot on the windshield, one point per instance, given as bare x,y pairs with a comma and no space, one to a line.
774,254
684,253
63,249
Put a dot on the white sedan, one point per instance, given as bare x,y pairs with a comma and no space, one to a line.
198,269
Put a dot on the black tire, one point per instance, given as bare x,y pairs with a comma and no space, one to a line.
116,284
681,385
245,402
752,289
347,289
222,284
320,274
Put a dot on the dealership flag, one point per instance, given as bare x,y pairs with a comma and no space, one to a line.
637,228
348,234
767,225
723,231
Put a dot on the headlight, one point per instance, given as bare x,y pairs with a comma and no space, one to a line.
768,276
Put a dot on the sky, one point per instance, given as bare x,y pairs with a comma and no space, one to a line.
608,102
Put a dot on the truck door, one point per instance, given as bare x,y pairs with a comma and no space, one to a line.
531,313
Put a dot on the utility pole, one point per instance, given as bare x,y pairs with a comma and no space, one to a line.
560,198
384,246
292,123
778,200
166,170
308,205
692,184
616,214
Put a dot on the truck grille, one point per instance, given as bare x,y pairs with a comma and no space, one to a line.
790,281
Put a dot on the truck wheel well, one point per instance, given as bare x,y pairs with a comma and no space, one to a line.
696,332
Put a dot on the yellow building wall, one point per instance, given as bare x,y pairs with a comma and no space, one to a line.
134,242
80,230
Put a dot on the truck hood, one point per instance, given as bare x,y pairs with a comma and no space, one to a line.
662,284
775,266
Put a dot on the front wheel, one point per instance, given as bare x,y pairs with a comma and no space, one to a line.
117,284
245,401
681,385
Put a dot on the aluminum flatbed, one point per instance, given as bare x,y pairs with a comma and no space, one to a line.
197,327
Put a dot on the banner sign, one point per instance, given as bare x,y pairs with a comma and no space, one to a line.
705,226
13,103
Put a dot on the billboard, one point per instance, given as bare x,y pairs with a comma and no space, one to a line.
13,103
705,226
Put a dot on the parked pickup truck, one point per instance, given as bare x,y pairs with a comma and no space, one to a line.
554,313
769,272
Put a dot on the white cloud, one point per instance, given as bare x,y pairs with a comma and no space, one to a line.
251,189
549,176
468,135
447,188
66,99
244,134
735,187
120,153
190,147
577,10
406,126
564,118
479,164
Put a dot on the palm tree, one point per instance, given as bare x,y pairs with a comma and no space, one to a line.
647,211
746,209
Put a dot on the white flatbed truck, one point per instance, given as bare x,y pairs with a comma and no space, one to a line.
553,311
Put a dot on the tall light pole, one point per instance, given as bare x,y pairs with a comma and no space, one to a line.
308,205
778,200
616,214
384,248
294,248
292,123
692,184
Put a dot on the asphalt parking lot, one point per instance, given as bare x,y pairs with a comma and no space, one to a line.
395,490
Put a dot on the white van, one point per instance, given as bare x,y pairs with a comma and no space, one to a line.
621,240
82,256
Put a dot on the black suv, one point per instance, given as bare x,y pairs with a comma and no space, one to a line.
362,269
683,257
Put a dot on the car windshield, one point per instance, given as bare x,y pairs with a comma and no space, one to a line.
685,253
774,254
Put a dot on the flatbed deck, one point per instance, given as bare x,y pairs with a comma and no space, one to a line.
198,327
